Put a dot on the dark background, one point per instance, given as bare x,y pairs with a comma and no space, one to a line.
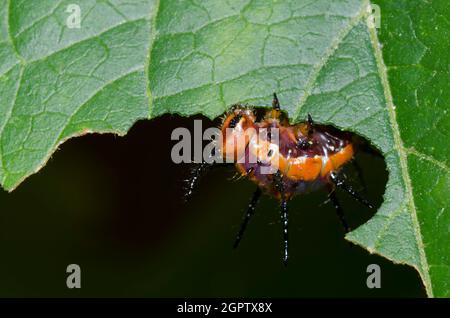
114,205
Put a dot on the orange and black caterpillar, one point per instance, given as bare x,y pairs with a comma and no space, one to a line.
307,156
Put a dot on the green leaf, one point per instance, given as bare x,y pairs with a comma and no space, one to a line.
135,59
416,50
57,82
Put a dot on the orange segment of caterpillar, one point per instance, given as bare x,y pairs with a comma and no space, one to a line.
285,160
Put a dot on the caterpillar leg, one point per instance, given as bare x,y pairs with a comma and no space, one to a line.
340,213
341,184
284,215
275,102
197,172
248,215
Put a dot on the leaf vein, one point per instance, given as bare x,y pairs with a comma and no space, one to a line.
310,83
